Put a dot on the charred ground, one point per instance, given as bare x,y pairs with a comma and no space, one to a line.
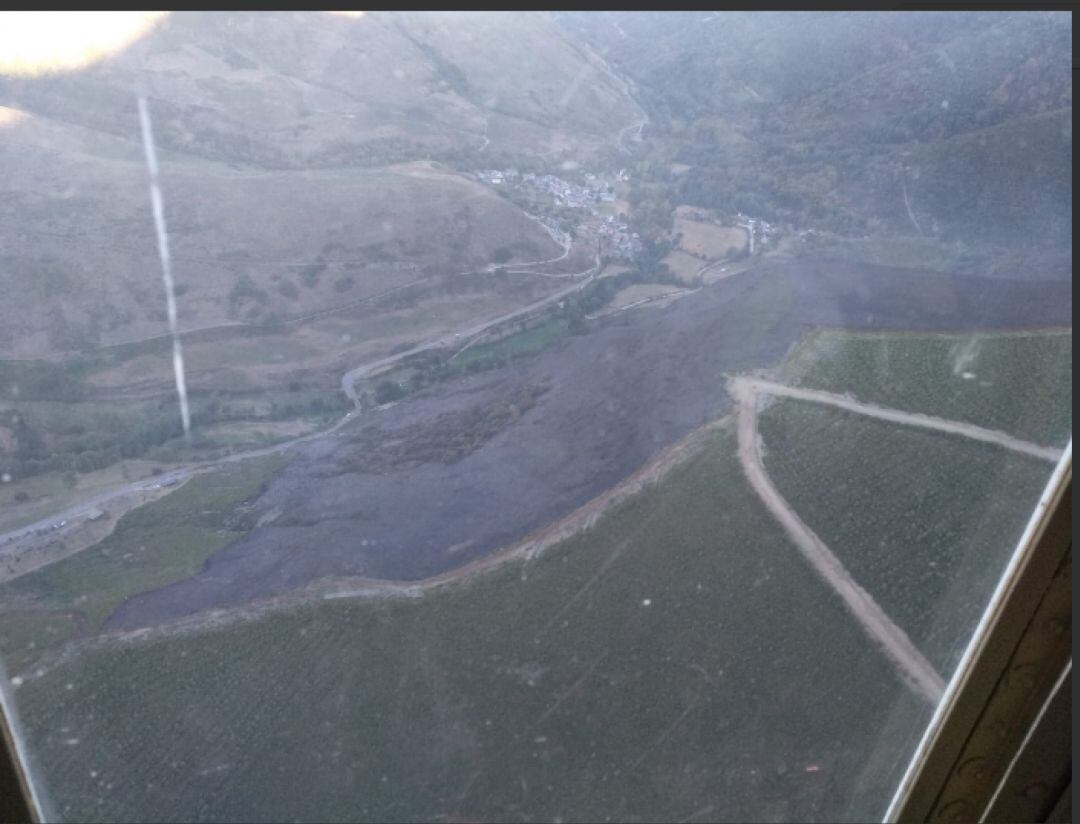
390,501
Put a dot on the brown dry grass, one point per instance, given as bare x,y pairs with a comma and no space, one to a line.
684,266
85,269
708,240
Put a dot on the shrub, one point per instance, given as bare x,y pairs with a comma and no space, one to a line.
387,391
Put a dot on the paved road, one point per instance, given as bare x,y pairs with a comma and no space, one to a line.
894,642
85,508
77,512
82,509
349,379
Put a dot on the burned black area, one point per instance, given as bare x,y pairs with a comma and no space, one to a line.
397,500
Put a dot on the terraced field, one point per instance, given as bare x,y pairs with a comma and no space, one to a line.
1018,382
925,521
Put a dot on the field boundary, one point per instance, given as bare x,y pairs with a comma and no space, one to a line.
524,550
911,664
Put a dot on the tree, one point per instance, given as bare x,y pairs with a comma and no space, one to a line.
387,391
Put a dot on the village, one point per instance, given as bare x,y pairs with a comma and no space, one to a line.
617,241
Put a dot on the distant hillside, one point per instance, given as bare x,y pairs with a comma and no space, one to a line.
827,120
290,89
294,151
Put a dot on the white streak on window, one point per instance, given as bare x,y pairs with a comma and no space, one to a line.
166,267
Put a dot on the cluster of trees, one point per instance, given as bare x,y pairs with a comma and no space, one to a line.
388,390
39,381
97,439
244,290
80,450
310,274
344,283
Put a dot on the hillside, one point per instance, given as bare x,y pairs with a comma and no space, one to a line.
300,161
300,89
81,266
855,122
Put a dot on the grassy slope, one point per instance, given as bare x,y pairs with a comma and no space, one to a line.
551,691
925,521
151,546
1022,384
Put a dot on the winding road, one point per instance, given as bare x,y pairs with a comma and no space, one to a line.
74,514
349,379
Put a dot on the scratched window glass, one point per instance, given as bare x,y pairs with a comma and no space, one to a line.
516,416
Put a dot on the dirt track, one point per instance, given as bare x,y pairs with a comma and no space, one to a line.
894,642
967,430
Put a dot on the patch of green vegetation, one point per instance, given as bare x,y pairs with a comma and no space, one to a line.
57,424
504,350
1020,383
924,520
676,658
245,291
26,632
40,380
900,251
429,369
152,546
388,390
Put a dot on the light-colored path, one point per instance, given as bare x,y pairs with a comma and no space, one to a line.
967,430
907,658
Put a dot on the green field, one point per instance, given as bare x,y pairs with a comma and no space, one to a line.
89,434
678,661
151,546
1021,384
426,370
924,520
517,345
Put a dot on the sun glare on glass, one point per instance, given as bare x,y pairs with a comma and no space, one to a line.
36,42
